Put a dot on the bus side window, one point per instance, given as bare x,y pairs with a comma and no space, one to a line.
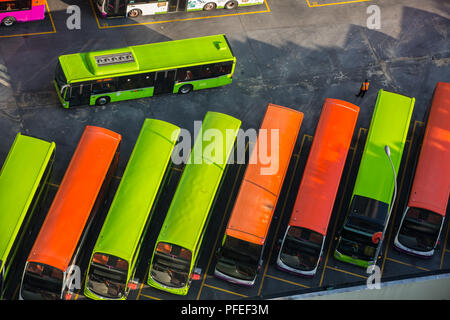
104,87
128,82
147,79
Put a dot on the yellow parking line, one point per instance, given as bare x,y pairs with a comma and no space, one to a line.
220,228
347,272
287,281
315,4
37,33
53,185
407,264
178,20
282,212
340,204
150,297
227,291
395,208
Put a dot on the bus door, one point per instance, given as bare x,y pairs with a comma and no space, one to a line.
116,8
177,5
164,82
80,95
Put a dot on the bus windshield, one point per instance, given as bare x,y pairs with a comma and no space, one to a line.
356,245
42,282
239,258
367,215
301,248
107,276
171,265
420,229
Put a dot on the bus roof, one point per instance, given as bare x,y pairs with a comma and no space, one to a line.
146,57
198,184
259,192
137,190
75,198
323,170
389,126
20,177
431,186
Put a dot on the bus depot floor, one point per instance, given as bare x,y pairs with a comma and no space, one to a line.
293,54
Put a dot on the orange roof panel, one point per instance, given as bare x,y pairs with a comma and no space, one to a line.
323,170
431,186
75,198
261,186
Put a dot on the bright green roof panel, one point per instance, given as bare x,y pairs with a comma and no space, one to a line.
147,57
138,189
20,176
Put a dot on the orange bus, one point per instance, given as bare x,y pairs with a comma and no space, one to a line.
63,232
303,242
424,216
241,252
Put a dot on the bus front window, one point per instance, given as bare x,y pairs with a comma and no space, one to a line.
60,78
171,265
239,259
41,282
420,229
356,245
301,248
107,276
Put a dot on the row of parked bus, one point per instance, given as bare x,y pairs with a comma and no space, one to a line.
26,172
12,11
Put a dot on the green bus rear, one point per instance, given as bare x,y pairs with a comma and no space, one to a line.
114,257
178,66
177,248
23,180
371,201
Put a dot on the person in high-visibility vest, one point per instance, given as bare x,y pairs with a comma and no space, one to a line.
364,88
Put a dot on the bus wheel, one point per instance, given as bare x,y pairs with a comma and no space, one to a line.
231,5
209,6
8,21
102,101
134,13
185,89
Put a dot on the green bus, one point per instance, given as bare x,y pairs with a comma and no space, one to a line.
113,260
172,266
361,236
178,66
23,180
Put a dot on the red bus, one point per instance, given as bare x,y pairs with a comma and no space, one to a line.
63,232
303,242
424,216
240,255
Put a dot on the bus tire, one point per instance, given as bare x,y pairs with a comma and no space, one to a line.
209,6
8,21
186,89
134,13
101,101
233,4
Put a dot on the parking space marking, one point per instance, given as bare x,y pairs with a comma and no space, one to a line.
53,185
224,290
305,136
177,20
407,264
315,4
287,281
150,297
340,204
36,33
221,226
345,271
399,192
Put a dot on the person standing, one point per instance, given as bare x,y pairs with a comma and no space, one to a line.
364,88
